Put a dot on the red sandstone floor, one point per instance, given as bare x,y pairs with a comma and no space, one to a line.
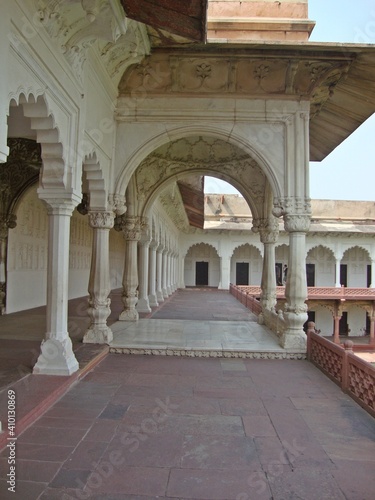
144,427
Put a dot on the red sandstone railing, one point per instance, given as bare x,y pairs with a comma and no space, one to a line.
246,298
355,376
318,292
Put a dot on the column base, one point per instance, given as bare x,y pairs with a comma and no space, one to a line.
165,293
143,306
153,301
129,315
293,340
98,335
159,296
56,358
169,290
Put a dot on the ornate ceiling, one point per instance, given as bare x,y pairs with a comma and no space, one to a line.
195,156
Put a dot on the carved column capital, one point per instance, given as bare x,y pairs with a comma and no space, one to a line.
132,229
296,213
297,223
268,229
101,220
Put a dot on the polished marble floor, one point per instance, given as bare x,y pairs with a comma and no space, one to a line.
193,321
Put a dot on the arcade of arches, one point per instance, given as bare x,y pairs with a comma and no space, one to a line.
107,129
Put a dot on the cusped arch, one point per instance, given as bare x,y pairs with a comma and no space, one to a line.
149,145
197,244
239,245
319,245
36,107
96,182
352,247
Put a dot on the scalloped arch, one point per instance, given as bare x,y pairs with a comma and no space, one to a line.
96,182
202,243
244,245
36,107
357,246
317,245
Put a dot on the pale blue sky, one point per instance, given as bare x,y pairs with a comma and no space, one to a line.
348,173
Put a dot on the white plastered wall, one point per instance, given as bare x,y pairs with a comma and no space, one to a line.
27,255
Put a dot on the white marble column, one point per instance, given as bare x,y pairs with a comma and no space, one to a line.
372,284
169,273
153,301
57,357
337,274
295,310
224,272
269,231
181,272
132,234
159,274
99,283
164,274
143,303
174,273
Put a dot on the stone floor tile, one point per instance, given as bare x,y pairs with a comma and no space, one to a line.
113,412
31,470
356,478
185,424
307,483
40,452
86,455
25,490
270,450
80,412
241,407
219,452
146,481
52,436
258,426
101,431
57,422
63,494
70,478
218,484
147,449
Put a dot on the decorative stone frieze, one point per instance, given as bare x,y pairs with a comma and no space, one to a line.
237,73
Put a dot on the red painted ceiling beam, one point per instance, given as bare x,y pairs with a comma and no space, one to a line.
180,17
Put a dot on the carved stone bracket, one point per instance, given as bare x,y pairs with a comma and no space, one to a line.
132,229
268,229
101,220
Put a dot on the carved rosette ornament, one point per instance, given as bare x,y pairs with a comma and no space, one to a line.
101,220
